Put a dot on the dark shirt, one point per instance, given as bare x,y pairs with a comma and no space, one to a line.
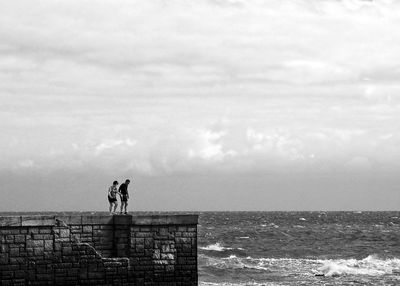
123,189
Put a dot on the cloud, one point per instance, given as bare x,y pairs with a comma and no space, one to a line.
113,144
188,45
210,146
199,85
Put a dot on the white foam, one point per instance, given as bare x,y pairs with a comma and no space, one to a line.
216,247
250,283
263,264
371,266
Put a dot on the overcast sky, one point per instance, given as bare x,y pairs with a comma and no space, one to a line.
207,105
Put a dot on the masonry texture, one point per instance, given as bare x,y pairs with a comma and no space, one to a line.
98,250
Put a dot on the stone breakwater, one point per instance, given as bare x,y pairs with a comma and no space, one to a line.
98,250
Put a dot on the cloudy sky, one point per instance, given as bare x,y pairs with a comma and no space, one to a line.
207,105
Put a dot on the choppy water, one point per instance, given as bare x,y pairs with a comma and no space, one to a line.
291,248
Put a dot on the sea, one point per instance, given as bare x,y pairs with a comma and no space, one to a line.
299,248
295,248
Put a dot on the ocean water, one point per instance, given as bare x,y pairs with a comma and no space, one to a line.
299,248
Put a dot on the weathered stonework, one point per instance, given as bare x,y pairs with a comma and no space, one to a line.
98,250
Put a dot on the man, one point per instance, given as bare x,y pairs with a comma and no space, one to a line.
123,192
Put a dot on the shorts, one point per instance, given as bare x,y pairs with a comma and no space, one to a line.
124,198
112,200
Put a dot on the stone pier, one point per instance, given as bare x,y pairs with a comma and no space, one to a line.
98,250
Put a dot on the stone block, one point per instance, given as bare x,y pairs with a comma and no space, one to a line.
169,256
38,251
97,220
33,230
44,277
122,235
38,220
4,248
10,221
96,275
189,234
139,248
9,268
20,274
64,233
42,236
14,252
69,220
137,240
29,251
187,247
183,240
66,250
143,234
161,262
48,245
34,243
17,260
13,230
148,243
7,274
182,228
122,219
149,220
76,228
87,229
45,230
135,229
166,248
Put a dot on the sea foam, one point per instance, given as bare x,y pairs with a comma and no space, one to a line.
371,266
218,247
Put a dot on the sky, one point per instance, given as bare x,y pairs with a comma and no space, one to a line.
205,105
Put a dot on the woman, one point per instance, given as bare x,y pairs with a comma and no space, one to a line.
112,197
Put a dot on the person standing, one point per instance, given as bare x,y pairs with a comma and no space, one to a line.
112,196
124,194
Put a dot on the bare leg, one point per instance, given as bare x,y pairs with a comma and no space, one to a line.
110,208
115,206
123,206
126,205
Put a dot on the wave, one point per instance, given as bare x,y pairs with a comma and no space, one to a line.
371,266
231,262
250,283
218,247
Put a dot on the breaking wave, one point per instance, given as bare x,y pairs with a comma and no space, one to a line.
218,247
371,266
252,283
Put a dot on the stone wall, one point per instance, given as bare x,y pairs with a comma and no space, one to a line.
98,250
